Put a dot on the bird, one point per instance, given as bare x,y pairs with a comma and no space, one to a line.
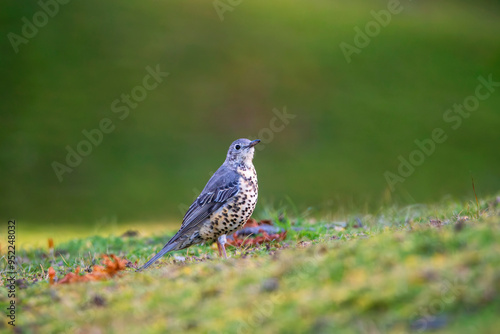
224,205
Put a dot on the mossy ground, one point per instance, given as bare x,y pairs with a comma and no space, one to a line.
411,269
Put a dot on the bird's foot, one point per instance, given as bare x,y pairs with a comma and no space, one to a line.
221,242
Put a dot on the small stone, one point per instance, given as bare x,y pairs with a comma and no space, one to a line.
270,284
179,258
98,301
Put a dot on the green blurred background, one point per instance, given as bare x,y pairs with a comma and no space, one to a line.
352,120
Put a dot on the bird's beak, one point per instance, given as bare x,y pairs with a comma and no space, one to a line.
253,143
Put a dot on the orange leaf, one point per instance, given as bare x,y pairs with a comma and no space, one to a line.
251,223
52,275
259,239
111,267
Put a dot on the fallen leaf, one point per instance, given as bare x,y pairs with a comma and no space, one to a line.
52,275
258,240
112,266
51,247
251,223
260,236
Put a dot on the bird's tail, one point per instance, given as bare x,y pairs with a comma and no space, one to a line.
166,249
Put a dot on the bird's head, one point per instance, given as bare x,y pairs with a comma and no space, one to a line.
241,152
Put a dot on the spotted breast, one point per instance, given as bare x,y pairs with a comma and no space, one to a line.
234,215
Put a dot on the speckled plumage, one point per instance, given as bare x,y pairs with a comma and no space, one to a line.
224,205
237,210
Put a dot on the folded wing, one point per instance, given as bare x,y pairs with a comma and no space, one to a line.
220,189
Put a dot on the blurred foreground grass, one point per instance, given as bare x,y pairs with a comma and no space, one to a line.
405,269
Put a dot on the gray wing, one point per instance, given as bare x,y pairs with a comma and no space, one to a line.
223,186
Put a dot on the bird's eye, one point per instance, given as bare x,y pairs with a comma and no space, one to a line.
237,147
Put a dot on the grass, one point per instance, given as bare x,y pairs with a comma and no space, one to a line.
39,233
404,270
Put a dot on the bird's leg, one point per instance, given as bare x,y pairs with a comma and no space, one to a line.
219,248
221,242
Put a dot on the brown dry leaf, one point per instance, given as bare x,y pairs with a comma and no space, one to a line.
112,266
258,240
251,223
266,222
51,247
52,275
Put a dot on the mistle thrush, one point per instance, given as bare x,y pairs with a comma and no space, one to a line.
224,205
